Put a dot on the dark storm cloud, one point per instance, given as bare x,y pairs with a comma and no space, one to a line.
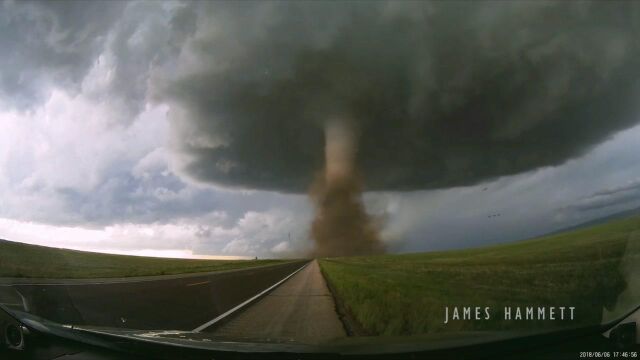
49,42
143,42
440,93
107,50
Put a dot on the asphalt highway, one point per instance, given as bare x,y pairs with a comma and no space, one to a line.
174,303
301,310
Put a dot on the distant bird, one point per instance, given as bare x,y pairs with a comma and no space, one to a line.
485,189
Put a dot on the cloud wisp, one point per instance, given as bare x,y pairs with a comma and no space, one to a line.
606,198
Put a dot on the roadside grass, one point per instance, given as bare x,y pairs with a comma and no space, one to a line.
407,294
23,260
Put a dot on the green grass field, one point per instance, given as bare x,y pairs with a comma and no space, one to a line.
22,260
406,294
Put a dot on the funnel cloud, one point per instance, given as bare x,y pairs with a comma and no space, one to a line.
341,226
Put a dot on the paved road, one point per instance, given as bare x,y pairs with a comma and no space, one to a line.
175,303
300,310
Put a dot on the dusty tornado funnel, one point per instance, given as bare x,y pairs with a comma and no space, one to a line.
341,226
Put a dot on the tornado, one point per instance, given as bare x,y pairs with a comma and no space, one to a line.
333,99
341,226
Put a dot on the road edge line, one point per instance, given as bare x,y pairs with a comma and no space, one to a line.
246,302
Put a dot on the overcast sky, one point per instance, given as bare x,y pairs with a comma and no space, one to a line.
193,129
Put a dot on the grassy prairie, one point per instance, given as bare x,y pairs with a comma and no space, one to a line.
22,260
406,294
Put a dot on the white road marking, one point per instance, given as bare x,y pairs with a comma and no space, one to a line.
199,283
244,303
